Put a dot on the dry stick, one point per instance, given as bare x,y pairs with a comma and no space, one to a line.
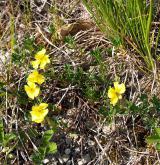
41,7
138,152
127,131
131,91
156,163
60,90
103,150
158,156
21,139
139,88
113,52
72,161
17,152
6,101
134,133
126,76
64,95
133,161
34,146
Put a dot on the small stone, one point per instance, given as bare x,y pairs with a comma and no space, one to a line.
106,129
80,162
91,143
22,26
45,161
77,150
54,161
68,141
60,160
67,151
86,158
65,158
69,162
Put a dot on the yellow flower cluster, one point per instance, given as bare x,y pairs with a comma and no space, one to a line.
32,89
116,92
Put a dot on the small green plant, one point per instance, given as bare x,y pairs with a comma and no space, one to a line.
7,141
154,138
69,40
88,83
20,53
46,147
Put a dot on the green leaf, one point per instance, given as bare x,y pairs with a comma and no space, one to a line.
42,150
33,132
47,136
157,130
158,146
97,55
37,158
156,103
153,139
52,148
52,123
8,137
1,132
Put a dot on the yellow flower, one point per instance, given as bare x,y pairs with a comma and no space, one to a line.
39,112
41,59
32,90
116,92
35,77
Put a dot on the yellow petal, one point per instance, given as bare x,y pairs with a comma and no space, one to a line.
114,100
111,92
44,112
40,79
43,51
34,73
26,87
32,90
47,59
44,61
31,84
39,57
32,76
34,108
122,88
35,64
38,118
43,105
43,64
37,90
119,88
29,92
40,54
